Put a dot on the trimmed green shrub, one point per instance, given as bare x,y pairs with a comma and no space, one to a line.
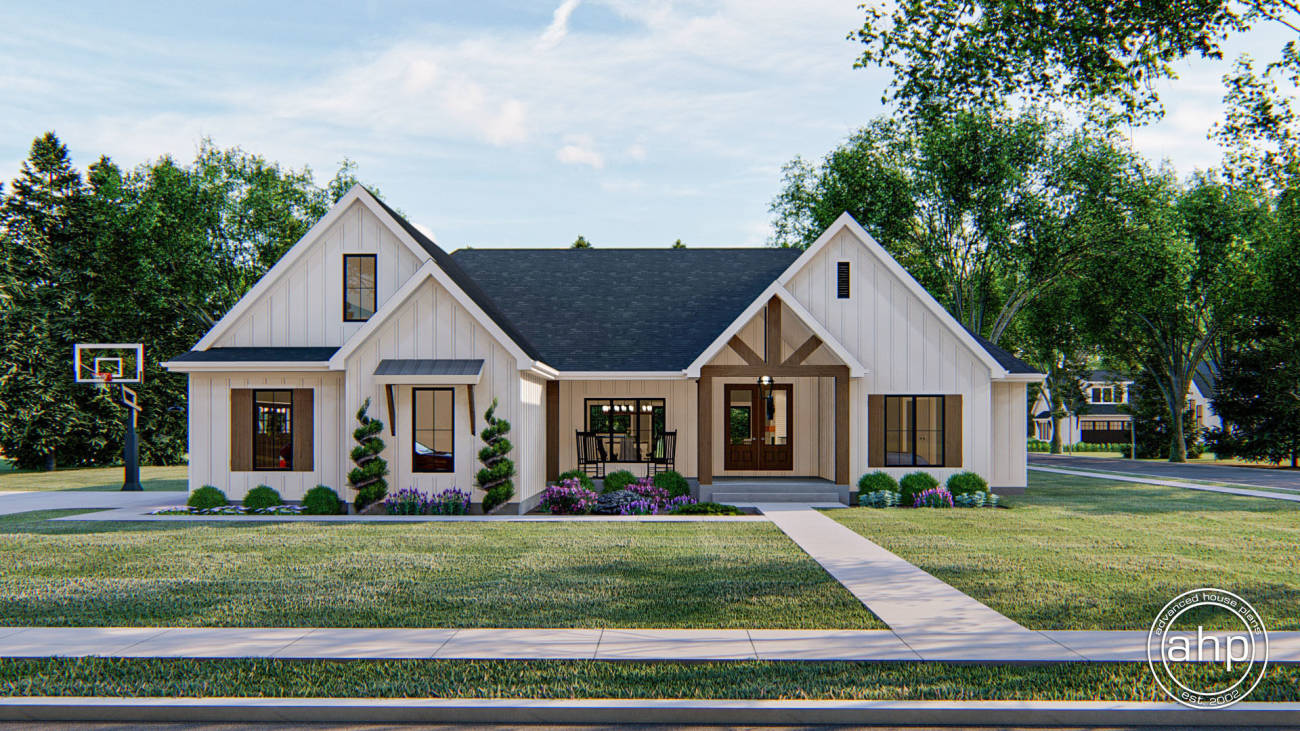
498,469
580,476
964,482
321,500
876,482
618,480
705,509
262,496
367,478
673,482
207,497
879,499
913,484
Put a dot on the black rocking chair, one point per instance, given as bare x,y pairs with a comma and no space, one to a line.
663,454
591,454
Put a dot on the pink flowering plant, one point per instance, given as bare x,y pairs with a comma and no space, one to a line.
568,498
935,497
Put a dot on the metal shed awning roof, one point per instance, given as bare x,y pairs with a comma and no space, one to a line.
429,371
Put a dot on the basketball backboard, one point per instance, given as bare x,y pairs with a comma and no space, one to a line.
108,362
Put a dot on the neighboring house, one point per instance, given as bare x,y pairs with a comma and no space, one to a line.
1105,420
867,370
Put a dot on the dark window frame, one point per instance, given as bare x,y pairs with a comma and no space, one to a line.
415,427
943,429
374,288
607,436
288,421
843,288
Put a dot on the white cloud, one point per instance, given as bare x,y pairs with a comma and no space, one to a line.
559,27
579,151
636,151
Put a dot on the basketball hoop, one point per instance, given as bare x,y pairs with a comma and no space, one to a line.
106,377
116,364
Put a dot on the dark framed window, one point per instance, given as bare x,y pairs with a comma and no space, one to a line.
433,423
914,431
630,428
358,287
272,430
842,280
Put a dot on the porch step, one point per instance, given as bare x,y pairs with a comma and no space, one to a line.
771,496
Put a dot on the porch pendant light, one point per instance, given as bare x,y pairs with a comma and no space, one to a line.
765,392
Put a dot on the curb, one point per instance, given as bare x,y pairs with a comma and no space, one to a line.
616,711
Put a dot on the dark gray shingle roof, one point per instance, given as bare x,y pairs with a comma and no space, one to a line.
1002,356
245,355
623,309
428,367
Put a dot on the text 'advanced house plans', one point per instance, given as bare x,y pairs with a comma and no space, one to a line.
755,362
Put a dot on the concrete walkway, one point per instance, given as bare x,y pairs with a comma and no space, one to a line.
1280,479
1295,498
23,502
344,643
931,617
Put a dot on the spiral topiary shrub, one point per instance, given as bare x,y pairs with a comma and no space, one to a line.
578,475
367,478
618,480
498,469
966,482
673,482
207,497
321,500
913,484
877,482
262,496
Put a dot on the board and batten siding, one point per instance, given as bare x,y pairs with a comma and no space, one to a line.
908,350
432,324
304,307
210,433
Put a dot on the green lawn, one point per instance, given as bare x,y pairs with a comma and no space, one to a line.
594,679
414,575
92,478
1081,553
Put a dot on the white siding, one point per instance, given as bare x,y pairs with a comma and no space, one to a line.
679,403
432,324
530,441
209,433
304,307
906,348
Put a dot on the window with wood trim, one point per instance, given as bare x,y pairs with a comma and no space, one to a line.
630,429
358,287
433,443
914,431
273,430
842,280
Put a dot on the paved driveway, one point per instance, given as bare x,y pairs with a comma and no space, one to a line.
1258,477
22,502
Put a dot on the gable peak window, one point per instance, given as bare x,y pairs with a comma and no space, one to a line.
358,287
842,280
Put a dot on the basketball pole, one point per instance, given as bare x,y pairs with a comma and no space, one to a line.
131,450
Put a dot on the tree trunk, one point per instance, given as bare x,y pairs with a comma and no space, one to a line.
49,462
1056,435
1177,440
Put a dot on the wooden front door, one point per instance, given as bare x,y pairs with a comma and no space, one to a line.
758,434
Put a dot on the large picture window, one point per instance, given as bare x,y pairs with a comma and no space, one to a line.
434,422
358,287
631,429
914,431
272,430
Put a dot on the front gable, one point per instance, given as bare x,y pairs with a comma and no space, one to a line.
299,302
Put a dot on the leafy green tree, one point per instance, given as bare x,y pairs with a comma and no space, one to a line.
1261,131
987,211
968,53
678,244
1152,425
580,243
1056,342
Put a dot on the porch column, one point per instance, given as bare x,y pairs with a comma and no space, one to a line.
704,430
552,431
842,422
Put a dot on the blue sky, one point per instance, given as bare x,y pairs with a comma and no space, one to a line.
492,123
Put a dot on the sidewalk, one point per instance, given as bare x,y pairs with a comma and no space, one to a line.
344,643
1295,498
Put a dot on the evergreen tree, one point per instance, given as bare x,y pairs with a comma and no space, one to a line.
580,243
367,478
498,468
678,244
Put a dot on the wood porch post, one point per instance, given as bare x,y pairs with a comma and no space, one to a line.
704,430
842,421
552,431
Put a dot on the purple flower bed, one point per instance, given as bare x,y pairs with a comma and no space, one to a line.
568,498
653,500
411,501
935,497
